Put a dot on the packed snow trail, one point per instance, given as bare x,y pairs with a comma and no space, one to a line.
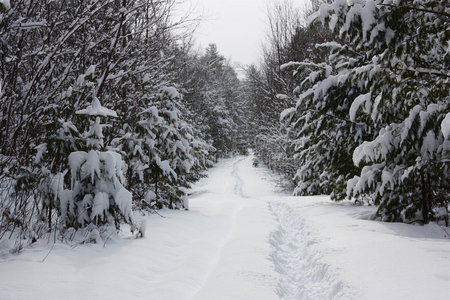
303,274
242,240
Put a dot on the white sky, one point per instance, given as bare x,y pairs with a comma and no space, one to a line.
236,26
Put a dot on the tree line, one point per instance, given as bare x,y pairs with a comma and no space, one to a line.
106,110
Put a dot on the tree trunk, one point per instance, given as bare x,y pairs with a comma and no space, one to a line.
424,200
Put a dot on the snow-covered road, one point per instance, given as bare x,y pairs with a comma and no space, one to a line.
242,240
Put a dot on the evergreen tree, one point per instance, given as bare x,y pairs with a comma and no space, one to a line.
98,194
167,144
406,166
386,82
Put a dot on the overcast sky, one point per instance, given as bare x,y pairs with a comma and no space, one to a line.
236,26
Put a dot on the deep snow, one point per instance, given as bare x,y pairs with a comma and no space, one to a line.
243,240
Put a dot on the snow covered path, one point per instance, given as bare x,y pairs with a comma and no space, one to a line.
242,240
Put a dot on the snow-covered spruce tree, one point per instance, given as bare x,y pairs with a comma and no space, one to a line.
400,87
164,152
173,141
319,126
166,149
323,135
97,193
51,161
218,99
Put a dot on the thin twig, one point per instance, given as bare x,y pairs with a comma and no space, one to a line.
48,253
445,231
107,238
154,211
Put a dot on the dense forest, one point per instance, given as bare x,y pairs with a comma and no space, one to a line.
107,110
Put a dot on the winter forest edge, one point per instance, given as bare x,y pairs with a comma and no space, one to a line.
108,112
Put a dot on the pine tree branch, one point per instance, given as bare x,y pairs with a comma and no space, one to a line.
441,13
422,71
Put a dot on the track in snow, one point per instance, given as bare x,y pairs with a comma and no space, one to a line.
303,274
295,269
238,180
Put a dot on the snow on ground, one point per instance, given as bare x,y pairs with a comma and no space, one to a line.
242,240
